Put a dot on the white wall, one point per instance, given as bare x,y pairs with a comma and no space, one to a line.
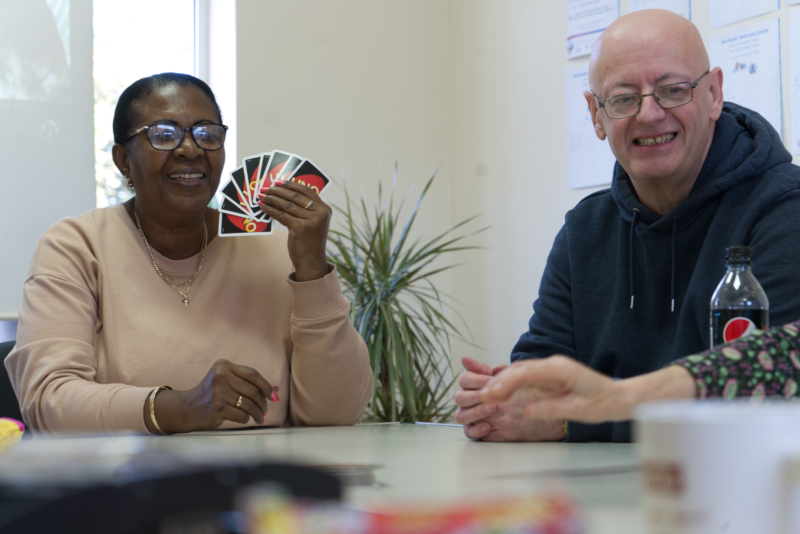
507,56
357,84
354,83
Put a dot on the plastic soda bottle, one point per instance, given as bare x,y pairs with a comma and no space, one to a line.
739,304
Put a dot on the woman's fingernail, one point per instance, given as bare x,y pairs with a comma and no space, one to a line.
275,397
276,388
280,182
260,203
261,195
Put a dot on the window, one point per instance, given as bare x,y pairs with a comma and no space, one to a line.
133,40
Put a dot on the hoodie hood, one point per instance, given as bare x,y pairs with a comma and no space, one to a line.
744,146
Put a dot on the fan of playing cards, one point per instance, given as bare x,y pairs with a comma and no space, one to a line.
239,211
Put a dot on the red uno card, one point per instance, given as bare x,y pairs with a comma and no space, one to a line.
309,175
274,169
232,192
232,225
251,166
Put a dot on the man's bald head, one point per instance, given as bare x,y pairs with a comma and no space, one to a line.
650,30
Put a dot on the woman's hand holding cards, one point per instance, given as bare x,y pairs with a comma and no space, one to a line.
228,392
307,218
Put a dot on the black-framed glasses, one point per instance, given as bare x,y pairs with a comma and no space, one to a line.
667,96
169,136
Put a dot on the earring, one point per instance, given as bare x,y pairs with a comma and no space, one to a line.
129,182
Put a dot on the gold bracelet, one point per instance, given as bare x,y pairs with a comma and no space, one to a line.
563,425
153,408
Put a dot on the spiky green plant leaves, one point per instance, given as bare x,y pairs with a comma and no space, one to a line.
396,307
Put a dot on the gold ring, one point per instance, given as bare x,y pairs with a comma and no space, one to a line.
309,204
239,403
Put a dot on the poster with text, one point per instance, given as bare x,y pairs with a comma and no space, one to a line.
724,12
586,20
750,61
681,7
590,161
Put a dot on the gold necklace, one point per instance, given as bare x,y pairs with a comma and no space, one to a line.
158,267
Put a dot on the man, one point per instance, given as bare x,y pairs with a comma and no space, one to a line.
627,285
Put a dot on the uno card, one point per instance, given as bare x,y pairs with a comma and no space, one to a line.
251,165
309,175
262,169
288,168
276,163
231,225
233,208
232,192
240,181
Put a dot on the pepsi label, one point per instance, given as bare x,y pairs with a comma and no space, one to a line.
730,325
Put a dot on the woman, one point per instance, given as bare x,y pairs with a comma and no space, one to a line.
765,364
123,300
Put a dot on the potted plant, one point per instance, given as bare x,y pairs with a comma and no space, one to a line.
396,307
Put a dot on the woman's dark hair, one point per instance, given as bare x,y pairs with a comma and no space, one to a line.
125,113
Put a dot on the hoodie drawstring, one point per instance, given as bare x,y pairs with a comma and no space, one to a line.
633,236
674,260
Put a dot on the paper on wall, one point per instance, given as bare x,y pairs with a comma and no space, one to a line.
750,61
586,20
724,12
794,86
590,161
681,7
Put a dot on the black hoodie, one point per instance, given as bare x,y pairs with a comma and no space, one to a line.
627,292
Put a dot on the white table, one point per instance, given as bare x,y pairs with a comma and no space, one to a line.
417,463
423,463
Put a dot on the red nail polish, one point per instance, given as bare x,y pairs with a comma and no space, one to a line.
280,183
261,195
260,203
276,388
275,397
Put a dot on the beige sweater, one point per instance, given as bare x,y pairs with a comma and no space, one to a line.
99,329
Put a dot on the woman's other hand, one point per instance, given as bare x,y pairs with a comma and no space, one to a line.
568,390
214,400
307,217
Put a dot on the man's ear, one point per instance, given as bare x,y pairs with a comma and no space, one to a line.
715,90
594,109
120,155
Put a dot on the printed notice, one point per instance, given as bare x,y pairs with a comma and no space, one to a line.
794,36
586,20
750,61
681,7
724,12
590,161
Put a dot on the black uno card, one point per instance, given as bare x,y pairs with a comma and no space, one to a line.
309,175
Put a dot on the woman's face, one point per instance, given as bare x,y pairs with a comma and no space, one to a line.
182,181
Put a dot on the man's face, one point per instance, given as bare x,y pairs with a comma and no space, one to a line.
657,143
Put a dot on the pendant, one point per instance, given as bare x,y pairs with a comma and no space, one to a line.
185,301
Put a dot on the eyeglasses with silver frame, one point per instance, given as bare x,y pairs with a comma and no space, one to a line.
667,96
208,136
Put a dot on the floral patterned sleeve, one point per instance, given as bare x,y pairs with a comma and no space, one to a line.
765,364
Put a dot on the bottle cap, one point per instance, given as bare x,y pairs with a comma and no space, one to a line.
740,253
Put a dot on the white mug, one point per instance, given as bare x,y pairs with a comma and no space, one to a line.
719,466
